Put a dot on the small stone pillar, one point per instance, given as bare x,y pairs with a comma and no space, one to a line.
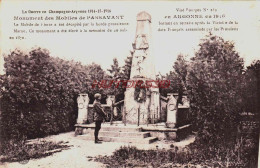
83,101
185,101
111,99
171,110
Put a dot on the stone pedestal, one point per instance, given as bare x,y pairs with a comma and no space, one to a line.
142,112
135,112
83,101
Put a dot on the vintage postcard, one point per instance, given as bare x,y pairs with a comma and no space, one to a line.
129,84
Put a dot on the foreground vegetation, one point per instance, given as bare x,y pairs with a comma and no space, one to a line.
22,151
241,154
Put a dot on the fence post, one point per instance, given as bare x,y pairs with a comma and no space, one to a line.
111,117
138,117
124,115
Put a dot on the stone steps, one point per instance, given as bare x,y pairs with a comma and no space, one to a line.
139,140
121,129
133,131
119,134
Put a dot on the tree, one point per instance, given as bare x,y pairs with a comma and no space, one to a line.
115,75
214,88
95,74
127,67
177,77
121,75
39,92
115,70
181,70
251,90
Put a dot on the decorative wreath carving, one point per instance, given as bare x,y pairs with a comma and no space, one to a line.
140,92
80,105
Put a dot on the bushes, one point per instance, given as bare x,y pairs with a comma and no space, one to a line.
219,91
202,155
214,84
251,88
39,92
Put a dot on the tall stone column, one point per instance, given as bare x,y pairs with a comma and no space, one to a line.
142,104
83,101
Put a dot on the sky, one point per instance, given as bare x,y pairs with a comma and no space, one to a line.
101,48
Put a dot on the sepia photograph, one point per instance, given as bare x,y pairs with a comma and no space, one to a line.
129,84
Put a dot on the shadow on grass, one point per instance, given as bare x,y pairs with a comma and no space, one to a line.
21,151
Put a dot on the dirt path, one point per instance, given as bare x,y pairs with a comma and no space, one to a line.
79,155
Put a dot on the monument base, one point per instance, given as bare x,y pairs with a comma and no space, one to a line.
133,133
145,110
170,125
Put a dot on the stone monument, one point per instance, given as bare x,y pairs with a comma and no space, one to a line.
141,105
